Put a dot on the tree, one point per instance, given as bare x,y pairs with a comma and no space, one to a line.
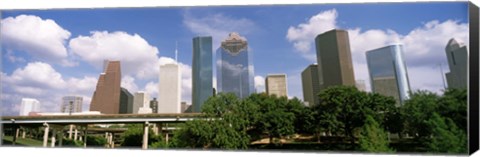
453,105
274,120
446,136
373,138
341,109
304,118
417,110
221,127
134,136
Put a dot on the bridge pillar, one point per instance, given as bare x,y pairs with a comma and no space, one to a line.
24,133
17,130
85,136
54,133
145,135
60,140
76,134
70,132
45,134
166,133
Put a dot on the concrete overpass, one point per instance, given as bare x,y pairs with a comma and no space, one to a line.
58,122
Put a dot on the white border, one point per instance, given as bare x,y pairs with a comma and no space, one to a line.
50,4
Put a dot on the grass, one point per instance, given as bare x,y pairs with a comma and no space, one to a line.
8,140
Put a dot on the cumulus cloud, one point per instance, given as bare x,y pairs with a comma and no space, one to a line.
41,81
303,34
259,83
217,25
41,38
128,82
137,56
423,46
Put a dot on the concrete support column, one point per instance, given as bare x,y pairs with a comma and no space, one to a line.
166,133
75,135
24,133
54,132
17,131
60,140
45,135
70,132
155,129
85,136
145,136
15,137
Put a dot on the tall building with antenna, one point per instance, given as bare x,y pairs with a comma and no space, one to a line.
457,56
169,87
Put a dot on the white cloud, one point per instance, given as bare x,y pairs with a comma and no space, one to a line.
41,81
37,74
41,38
152,89
136,55
218,26
424,46
128,83
259,83
303,35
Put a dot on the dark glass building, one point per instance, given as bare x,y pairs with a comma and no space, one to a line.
202,71
126,102
235,67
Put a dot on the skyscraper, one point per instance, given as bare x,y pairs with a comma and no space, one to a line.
361,86
334,59
235,67
154,105
29,105
457,56
202,72
276,84
169,88
126,102
310,85
106,98
71,104
140,100
388,72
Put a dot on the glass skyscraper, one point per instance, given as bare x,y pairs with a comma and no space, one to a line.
202,71
234,67
388,72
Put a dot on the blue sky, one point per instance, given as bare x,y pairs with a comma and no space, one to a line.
280,38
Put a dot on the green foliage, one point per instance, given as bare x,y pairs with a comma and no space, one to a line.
223,128
447,137
344,108
134,136
373,138
275,119
453,105
417,110
71,142
94,140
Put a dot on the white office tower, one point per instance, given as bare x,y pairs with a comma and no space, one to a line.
71,104
29,105
169,92
141,103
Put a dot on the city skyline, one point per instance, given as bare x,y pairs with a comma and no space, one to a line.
70,63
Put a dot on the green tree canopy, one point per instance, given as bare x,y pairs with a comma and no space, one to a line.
446,136
373,138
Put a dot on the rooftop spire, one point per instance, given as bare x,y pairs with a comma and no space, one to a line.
176,51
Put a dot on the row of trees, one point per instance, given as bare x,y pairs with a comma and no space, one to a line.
437,122
363,119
